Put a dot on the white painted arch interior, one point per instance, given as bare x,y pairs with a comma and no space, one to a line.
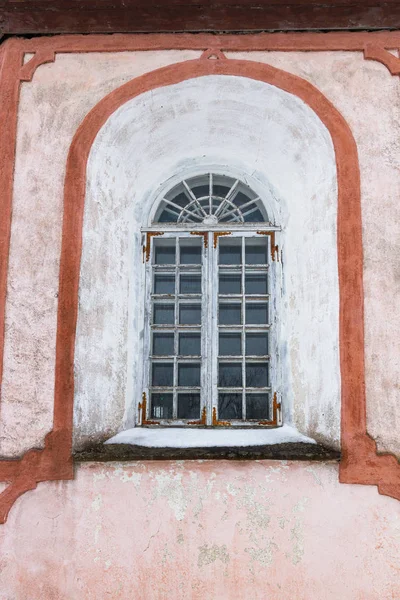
248,130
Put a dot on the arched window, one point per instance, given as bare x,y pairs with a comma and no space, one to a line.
210,308
211,199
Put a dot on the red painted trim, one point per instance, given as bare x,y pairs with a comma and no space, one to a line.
283,42
45,55
378,53
360,463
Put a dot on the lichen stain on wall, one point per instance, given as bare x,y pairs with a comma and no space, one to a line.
202,530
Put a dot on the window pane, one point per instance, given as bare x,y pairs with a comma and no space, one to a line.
201,190
230,284
257,314
230,375
161,406
189,344
257,406
163,344
256,254
190,314
256,375
188,406
256,284
256,344
230,314
190,255
164,255
255,216
230,344
189,375
190,284
164,314
230,255
162,375
164,284
229,406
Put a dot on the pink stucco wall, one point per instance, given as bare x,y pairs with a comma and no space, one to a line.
202,531
194,530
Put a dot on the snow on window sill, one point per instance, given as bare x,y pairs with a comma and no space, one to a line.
208,438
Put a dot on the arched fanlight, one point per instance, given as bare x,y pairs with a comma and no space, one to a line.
211,199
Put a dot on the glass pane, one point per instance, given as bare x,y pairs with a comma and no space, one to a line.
164,255
180,199
256,344
201,190
220,190
190,314
256,254
255,216
230,375
230,314
230,344
256,284
163,344
257,406
162,375
230,284
163,314
188,406
161,406
164,284
189,375
189,344
229,406
191,255
256,375
230,255
168,216
190,284
257,314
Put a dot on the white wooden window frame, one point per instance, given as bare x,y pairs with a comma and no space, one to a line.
209,237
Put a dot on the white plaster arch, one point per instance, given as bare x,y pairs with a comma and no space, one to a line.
241,127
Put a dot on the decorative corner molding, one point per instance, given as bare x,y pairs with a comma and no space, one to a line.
380,54
52,463
41,57
213,54
362,464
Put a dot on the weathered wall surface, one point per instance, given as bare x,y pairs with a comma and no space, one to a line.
194,530
53,105
202,531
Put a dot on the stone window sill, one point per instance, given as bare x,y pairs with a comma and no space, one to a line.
190,444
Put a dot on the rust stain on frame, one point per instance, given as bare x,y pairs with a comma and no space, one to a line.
146,248
218,234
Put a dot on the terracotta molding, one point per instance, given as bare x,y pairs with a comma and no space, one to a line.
360,463
46,55
11,60
376,52
283,42
213,53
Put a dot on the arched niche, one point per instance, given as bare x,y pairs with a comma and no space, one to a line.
237,126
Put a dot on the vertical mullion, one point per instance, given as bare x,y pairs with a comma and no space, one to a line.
149,276
210,194
213,329
269,332
243,329
176,321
